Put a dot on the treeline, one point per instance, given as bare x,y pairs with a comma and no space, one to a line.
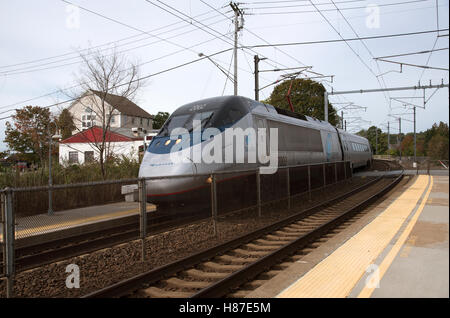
433,142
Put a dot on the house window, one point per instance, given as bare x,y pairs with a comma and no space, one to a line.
148,122
132,120
88,110
112,119
73,157
124,119
88,156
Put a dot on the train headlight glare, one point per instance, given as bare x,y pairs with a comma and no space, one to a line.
167,142
178,141
209,180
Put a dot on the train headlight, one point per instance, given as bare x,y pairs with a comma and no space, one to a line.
209,180
167,142
178,141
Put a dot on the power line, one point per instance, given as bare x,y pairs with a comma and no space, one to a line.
367,48
112,42
415,65
306,5
347,39
412,53
31,69
187,16
140,78
349,8
78,85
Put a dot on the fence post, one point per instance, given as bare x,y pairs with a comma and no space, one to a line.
309,182
8,240
142,214
335,173
324,177
258,191
214,202
288,188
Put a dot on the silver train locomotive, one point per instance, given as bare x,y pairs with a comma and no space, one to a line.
301,140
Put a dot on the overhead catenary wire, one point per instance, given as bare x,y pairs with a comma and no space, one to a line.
347,8
31,69
111,42
375,37
138,79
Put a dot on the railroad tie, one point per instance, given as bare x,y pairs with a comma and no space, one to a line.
241,251
235,259
155,292
256,247
221,267
277,243
199,274
179,283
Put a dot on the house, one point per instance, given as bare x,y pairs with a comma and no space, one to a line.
87,111
83,146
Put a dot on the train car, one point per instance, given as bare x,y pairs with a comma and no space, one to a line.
301,140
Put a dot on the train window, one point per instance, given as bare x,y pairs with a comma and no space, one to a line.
201,118
172,123
227,117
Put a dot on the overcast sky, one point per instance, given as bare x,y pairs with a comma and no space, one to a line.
40,41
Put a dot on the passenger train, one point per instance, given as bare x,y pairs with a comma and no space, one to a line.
301,140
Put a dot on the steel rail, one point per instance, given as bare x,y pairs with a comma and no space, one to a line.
126,286
236,279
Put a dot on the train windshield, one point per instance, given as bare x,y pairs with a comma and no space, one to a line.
187,121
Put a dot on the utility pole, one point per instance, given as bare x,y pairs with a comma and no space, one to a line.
414,135
389,138
237,12
256,78
399,135
376,140
325,102
342,119
345,125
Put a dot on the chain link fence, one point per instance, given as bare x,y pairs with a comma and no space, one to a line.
84,214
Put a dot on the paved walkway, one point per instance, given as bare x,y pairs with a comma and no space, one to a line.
403,252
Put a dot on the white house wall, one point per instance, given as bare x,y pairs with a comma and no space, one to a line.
129,149
77,110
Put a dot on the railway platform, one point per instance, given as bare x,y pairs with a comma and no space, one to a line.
400,248
42,227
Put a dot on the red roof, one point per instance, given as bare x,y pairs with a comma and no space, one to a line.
94,135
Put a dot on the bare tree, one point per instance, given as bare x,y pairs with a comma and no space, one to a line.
100,76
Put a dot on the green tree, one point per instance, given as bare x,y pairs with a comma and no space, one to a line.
159,119
381,139
65,124
306,97
438,147
29,132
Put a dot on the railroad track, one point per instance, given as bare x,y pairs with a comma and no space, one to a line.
221,270
38,255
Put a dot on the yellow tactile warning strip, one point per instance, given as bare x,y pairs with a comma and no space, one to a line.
337,274
73,223
77,222
387,261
